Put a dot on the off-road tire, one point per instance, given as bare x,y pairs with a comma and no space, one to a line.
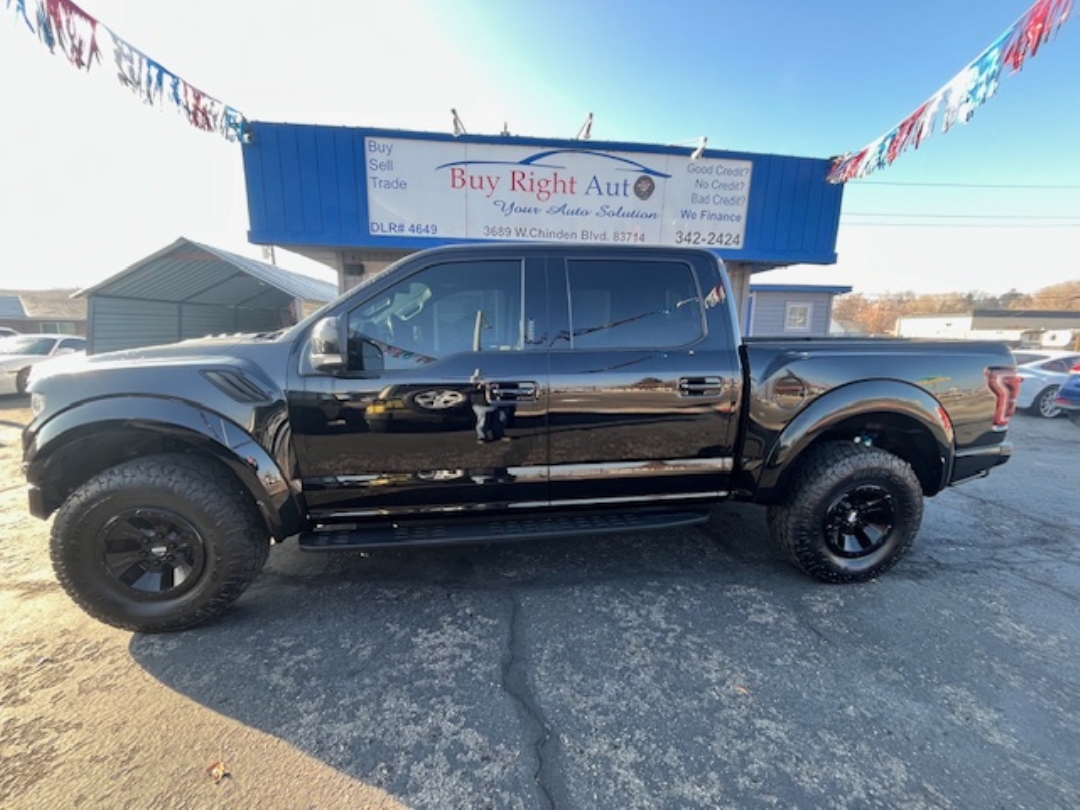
850,514
138,526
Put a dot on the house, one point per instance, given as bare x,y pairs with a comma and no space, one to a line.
51,311
790,310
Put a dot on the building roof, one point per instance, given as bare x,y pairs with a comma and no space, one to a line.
41,305
193,273
1025,319
11,306
800,288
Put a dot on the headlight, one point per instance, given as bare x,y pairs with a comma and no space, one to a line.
37,403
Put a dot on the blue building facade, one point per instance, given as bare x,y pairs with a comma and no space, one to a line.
358,198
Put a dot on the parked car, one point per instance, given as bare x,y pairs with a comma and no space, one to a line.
1068,398
1043,371
7,331
20,353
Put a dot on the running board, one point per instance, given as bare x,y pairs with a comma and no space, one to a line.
490,530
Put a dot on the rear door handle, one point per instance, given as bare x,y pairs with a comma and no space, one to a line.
512,391
700,386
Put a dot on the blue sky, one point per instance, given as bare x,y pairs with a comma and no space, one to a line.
91,180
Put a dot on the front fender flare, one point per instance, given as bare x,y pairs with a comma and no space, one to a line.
185,423
848,403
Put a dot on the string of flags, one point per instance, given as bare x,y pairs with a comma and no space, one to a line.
955,103
62,26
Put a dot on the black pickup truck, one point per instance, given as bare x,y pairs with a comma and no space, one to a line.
481,393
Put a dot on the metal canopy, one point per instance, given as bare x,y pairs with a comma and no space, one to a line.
188,272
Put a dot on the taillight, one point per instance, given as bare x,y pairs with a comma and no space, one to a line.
1005,383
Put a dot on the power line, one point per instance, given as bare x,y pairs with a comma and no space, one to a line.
961,225
1040,186
962,216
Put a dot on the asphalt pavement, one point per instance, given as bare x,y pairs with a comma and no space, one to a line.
690,668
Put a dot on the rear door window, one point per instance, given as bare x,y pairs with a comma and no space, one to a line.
627,304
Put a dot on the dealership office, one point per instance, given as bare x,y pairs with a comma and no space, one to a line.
357,199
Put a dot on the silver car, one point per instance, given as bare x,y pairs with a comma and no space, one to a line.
20,353
1042,372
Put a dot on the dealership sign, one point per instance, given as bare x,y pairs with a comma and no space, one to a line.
486,191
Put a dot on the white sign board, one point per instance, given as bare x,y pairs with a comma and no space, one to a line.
488,191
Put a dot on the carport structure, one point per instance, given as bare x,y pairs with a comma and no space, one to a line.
189,290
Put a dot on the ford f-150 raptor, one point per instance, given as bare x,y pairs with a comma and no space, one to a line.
475,393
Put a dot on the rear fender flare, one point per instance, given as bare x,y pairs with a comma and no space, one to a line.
847,404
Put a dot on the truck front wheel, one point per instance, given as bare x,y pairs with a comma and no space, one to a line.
851,513
159,543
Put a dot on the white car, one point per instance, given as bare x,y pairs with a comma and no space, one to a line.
20,353
1042,372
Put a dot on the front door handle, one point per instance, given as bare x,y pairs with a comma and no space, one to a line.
512,391
700,386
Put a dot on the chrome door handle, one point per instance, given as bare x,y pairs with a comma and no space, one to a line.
512,391
700,386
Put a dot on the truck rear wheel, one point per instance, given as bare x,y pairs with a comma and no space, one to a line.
158,544
851,513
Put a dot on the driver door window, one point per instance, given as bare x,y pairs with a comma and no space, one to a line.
440,311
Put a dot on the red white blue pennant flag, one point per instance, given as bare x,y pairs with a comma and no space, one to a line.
955,103
62,26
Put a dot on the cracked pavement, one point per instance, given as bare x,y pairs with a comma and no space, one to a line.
688,668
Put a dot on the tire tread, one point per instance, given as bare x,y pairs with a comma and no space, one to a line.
792,521
203,483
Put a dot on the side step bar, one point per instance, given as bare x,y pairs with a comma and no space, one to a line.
490,530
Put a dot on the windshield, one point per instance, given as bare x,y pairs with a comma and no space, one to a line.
26,344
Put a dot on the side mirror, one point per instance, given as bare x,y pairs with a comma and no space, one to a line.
324,346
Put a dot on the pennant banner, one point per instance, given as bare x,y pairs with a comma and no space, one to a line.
955,103
63,26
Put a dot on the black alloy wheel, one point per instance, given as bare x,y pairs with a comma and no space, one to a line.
850,512
158,543
152,553
859,521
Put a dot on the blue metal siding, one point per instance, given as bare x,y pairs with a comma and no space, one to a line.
306,185
346,182
793,215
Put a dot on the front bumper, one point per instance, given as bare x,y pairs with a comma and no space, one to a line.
36,499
